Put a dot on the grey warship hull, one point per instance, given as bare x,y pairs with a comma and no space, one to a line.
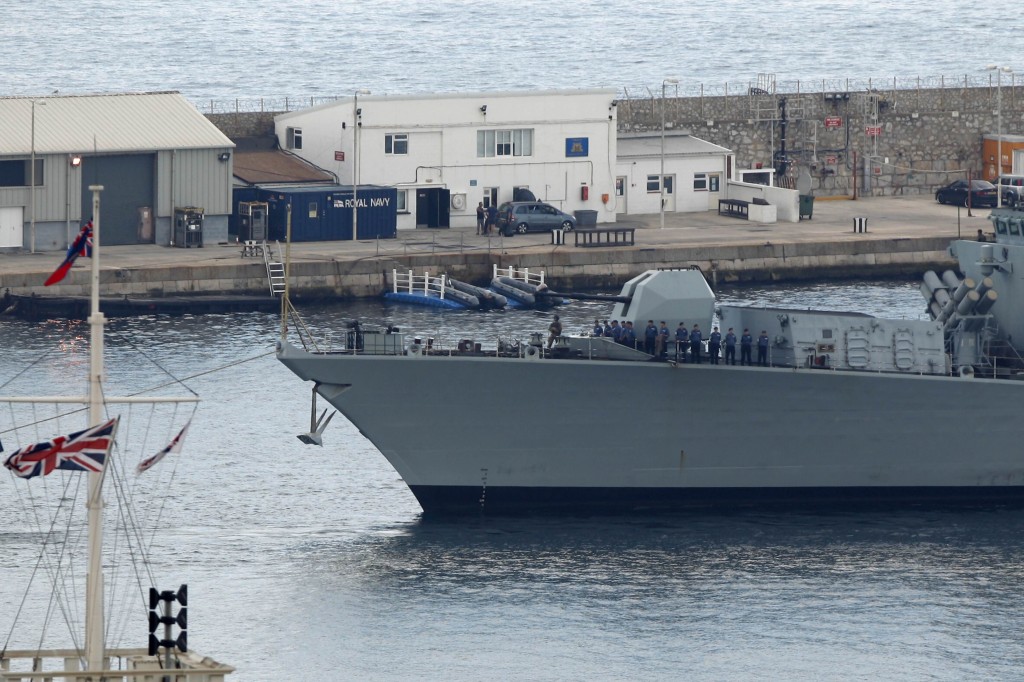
689,436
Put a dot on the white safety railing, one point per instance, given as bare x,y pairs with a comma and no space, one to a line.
407,282
522,274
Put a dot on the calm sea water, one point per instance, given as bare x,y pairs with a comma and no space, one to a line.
222,49
313,564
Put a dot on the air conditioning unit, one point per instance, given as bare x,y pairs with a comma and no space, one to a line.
458,201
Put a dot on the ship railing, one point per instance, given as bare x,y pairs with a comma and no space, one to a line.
407,282
522,274
28,666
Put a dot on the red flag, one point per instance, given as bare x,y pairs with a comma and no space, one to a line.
82,246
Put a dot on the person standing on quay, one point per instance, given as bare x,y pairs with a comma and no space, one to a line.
730,347
746,343
762,349
714,345
695,338
481,216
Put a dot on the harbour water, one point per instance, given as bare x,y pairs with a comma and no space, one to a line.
224,49
308,563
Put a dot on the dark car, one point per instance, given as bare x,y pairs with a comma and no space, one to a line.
520,217
983,193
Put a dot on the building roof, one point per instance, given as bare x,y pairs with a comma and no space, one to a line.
649,144
258,162
131,122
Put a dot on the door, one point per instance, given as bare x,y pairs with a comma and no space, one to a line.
432,207
620,195
670,193
128,181
714,190
12,227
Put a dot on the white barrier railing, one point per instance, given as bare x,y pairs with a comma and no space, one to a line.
411,283
522,274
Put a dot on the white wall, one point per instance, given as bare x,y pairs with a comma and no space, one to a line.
687,200
786,201
442,146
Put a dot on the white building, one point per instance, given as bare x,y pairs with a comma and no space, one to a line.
447,153
695,173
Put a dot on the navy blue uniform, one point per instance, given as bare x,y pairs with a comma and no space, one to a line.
682,338
695,338
746,343
730,348
762,350
714,346
650,334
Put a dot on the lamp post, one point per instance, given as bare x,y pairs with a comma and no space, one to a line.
1000,70
355,159
661,178
32,180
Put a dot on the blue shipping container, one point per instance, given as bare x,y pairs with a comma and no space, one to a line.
324,213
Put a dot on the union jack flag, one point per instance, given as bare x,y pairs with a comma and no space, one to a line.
81,451
175,446
82,246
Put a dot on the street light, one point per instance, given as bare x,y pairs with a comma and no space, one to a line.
32,181
661,178
1000,70
355,158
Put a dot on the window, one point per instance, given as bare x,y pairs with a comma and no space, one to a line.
16,173
653,184
620,186
490,197
504,142
700,182
396,143
400,204
312,209
293,138
713,180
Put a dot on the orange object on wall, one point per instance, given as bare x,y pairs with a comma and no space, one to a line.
604,198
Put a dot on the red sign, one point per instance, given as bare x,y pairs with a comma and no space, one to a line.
833,121
873,131
339,156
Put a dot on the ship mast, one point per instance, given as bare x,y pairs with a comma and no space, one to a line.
94,622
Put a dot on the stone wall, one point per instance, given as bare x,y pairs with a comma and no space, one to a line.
928,136
244,124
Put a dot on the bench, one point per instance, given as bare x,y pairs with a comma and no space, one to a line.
606,236
251,247
736,208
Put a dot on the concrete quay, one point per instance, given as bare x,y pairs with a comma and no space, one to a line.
906,235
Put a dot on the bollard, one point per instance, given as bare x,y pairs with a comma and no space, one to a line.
557,237
860,224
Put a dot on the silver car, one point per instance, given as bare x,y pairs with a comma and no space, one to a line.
520,217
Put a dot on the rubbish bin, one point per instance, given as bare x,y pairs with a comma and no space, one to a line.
585,218
860,224
557,237
806,206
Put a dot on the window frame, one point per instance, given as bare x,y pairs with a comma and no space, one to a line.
293,138
700,182
505,142
394,141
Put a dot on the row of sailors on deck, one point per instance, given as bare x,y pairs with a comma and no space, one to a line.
655,341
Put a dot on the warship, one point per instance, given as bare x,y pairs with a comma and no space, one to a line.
852,411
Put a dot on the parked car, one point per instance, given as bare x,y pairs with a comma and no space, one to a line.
983,193
520,217
1012,188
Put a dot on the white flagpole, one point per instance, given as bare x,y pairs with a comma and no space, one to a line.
94,621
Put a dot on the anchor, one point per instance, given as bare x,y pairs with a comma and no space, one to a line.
316,426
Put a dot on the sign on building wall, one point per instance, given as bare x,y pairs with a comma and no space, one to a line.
339,156
873,131
833,121
577,146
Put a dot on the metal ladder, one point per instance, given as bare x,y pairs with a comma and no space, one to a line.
275,269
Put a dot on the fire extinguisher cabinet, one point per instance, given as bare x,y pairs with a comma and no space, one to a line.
188,227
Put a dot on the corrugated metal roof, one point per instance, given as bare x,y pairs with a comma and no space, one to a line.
104,124
649,144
